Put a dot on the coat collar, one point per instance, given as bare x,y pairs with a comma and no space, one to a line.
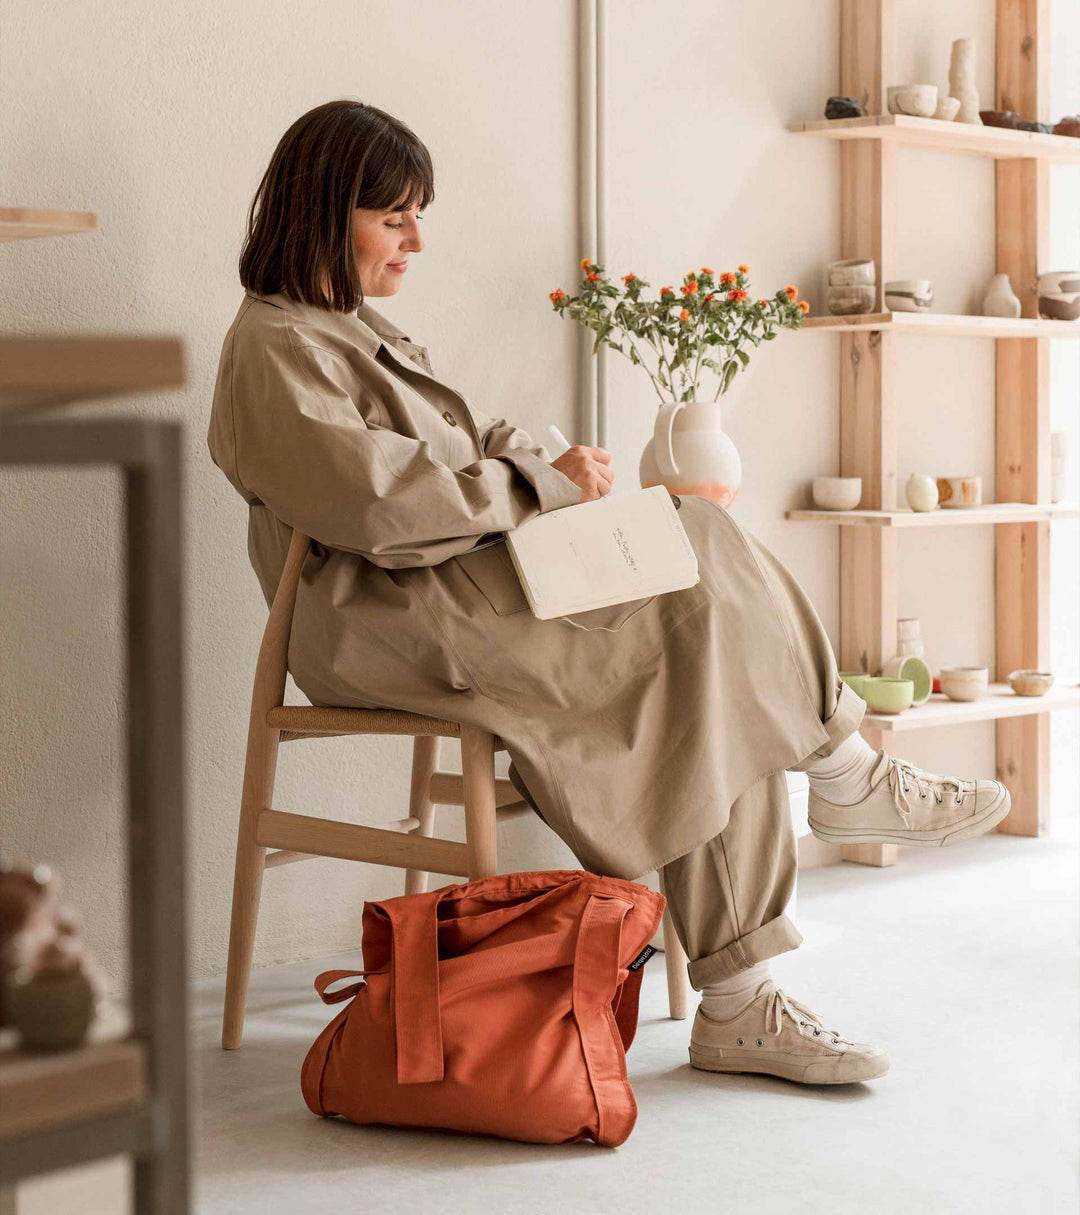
365,327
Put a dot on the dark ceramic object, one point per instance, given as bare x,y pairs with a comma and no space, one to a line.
843,107
1000,118
1069,125
1039,128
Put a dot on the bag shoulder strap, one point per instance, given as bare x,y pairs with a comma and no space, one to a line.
414,986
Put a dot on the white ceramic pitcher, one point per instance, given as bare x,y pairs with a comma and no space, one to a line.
690,453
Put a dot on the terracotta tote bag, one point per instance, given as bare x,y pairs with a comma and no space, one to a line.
503,1006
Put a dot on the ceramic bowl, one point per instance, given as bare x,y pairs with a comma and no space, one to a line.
837,493
909,294
916,100
1030,683
964,683
910,666
1059,295
853,272
851,301
856,679
962,492
885,695
947,108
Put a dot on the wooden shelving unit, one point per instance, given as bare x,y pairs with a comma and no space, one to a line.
868,406
25,223
125,1090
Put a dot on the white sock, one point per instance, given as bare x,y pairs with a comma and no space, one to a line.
843,777
726,999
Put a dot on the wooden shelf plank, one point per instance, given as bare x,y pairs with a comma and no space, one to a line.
999,143
990,513
940,324
43,1092
25,223
41,372
1000,701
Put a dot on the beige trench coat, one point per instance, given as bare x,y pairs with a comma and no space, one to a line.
634,727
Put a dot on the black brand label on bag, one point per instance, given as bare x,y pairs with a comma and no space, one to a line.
642,958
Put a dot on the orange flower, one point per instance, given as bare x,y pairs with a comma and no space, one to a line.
763,301
628,278
727,278
689,288
592,278
585,263
743,269
684,315
737,295
710,297
792,292
804,306
705,270
667,291
557,295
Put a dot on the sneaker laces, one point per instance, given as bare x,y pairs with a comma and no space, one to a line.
779,1002
902,775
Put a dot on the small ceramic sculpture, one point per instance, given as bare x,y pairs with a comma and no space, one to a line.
843,107
915,100
962,80
1059,295
1000,299
947,108
48,986
921,492
1009,119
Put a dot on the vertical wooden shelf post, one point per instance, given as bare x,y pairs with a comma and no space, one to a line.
867,369
1022,413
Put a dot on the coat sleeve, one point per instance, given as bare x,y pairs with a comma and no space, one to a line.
300,445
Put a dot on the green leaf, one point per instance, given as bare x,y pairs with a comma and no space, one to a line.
744,358
729,374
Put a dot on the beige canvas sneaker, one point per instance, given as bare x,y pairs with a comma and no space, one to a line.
778,1035
907,805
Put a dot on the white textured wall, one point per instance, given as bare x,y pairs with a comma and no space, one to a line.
162,119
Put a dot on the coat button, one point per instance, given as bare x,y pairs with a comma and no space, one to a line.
449,417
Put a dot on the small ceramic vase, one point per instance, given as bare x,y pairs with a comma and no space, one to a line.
921,492
962,80
1000,299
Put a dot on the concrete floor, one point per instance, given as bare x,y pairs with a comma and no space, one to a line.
962,963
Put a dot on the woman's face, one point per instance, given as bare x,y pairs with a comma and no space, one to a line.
382,244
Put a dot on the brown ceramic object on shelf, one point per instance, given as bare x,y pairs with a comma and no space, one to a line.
53,1007
1069,125
1000,118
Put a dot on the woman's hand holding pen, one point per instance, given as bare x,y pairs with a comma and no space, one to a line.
588,467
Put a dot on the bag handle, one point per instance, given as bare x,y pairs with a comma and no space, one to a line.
414,987
596,976
333,976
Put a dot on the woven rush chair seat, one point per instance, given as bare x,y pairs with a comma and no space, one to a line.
309,721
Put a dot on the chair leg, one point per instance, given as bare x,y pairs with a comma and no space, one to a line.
425,760
478,777
259,770
675,961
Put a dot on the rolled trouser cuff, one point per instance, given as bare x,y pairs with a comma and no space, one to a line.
844,721
777,936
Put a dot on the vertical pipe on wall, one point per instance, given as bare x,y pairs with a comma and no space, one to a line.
587,235
601,212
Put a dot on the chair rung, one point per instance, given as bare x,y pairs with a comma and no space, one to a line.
353,842
284,857
448,789
515,810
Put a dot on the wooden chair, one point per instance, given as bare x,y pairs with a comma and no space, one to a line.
269,837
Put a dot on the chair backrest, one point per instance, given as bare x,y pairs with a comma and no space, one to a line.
273,661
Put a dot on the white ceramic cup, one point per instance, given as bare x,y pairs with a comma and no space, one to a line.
960,492
910,666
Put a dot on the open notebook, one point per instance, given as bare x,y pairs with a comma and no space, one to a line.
594,554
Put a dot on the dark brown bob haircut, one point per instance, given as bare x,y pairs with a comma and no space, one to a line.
333,159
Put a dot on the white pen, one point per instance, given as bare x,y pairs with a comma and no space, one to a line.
559,438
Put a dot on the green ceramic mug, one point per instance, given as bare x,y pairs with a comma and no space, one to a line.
855,679
885,695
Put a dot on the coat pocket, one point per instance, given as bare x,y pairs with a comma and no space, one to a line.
492,572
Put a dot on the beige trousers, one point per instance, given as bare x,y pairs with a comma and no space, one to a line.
727,896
